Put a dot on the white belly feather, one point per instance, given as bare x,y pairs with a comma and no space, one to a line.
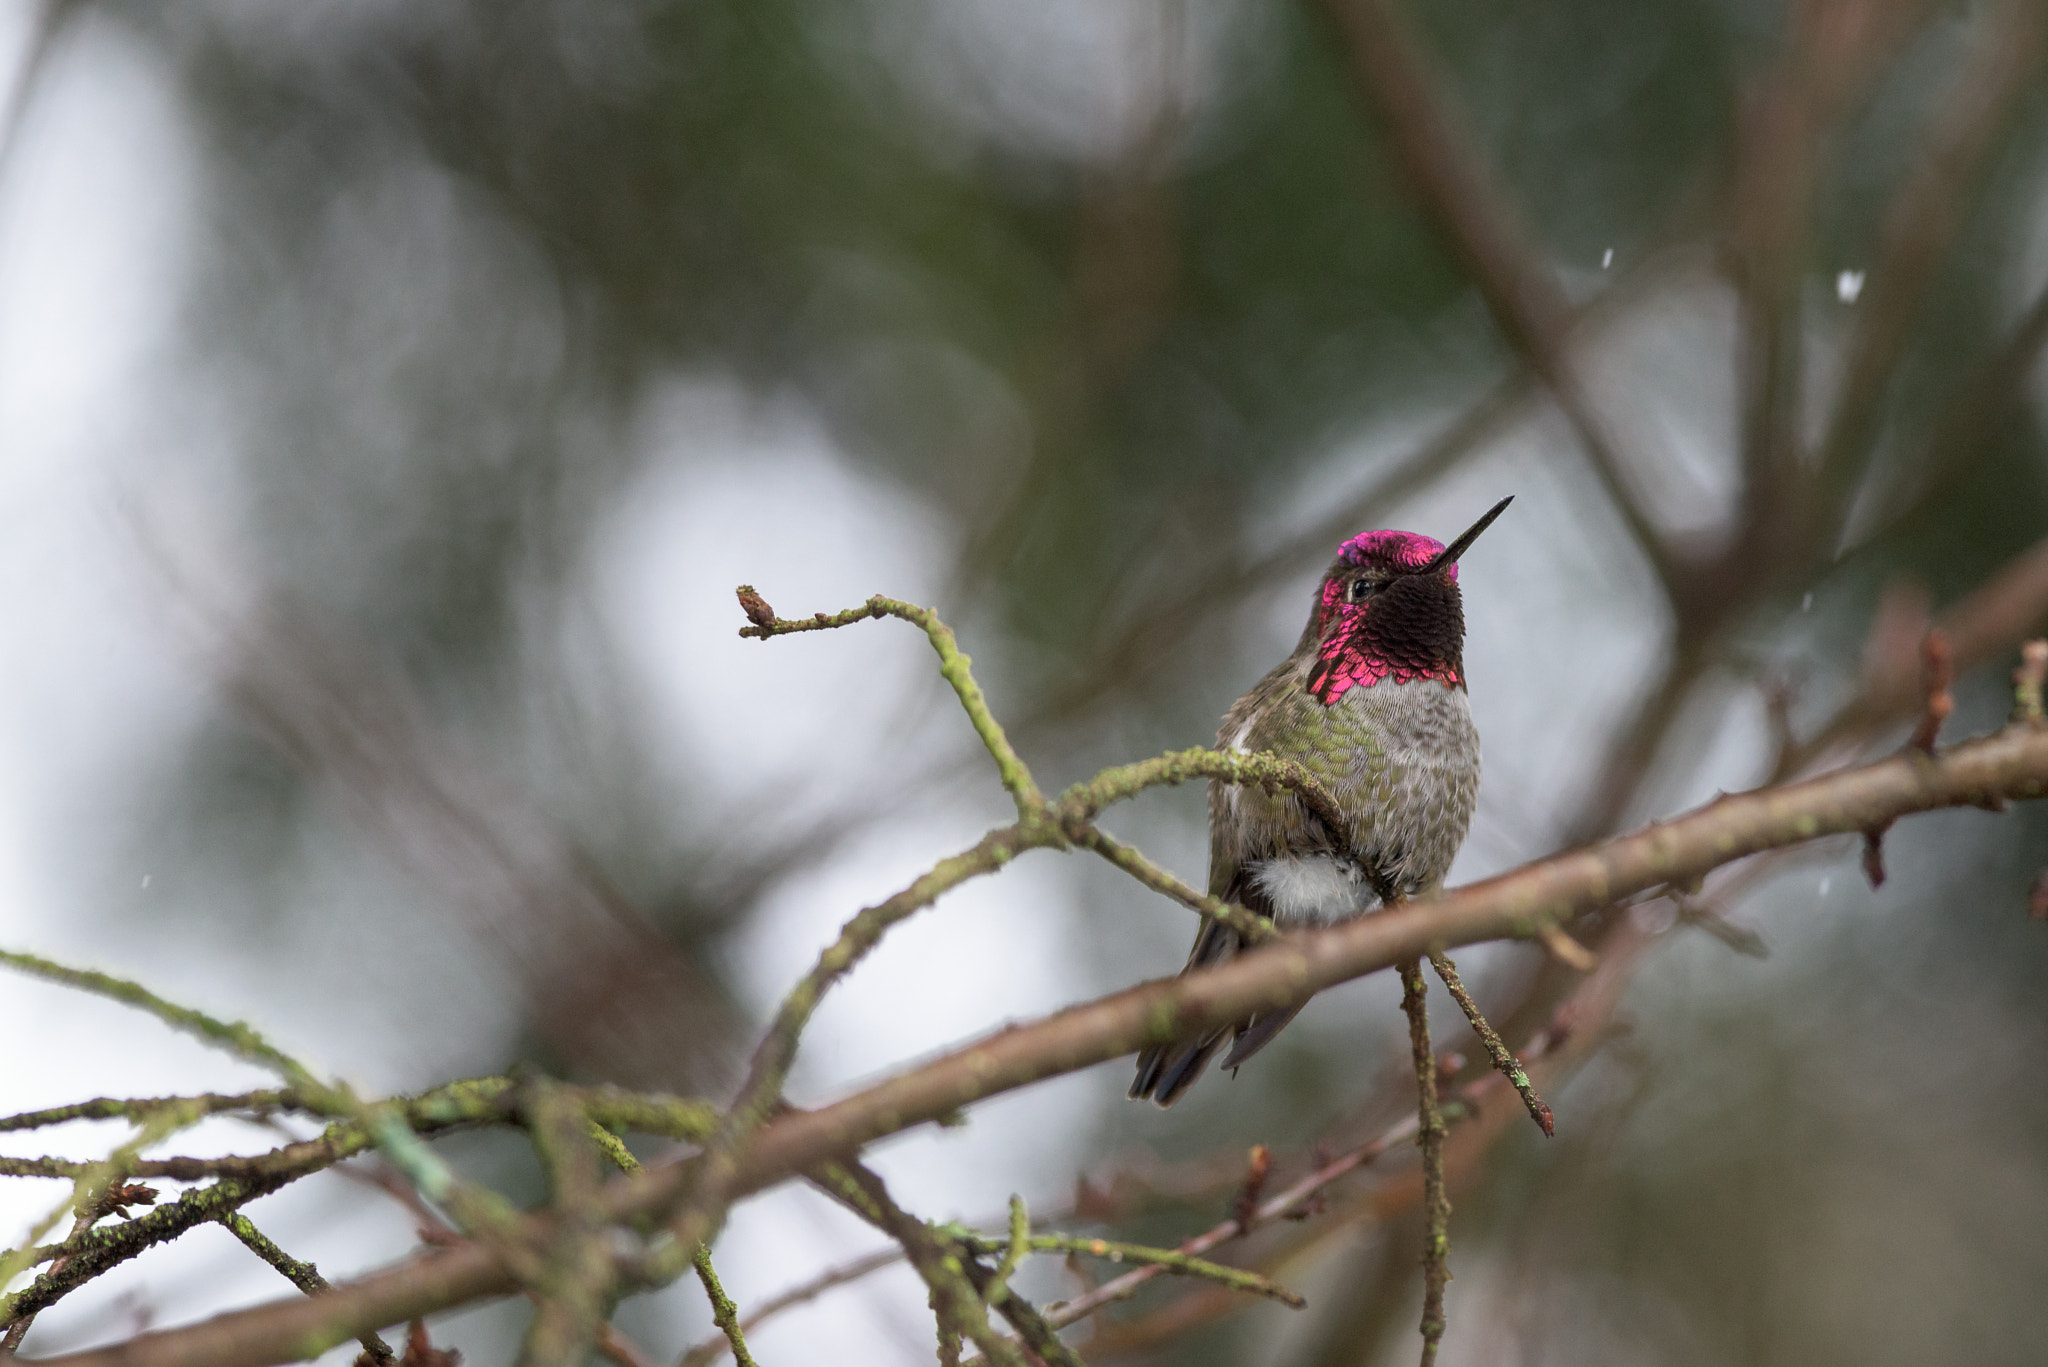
1313,890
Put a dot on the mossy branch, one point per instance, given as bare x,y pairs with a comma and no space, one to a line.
578,1277
235,1037
1503,1058
724,1313
1084,801
1013,1251
1166,1259
1251,927
138,1109
956,1301
304,1276
954,666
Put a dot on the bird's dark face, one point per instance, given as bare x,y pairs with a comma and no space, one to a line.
1389,607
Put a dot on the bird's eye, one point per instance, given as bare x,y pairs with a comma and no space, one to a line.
1361,589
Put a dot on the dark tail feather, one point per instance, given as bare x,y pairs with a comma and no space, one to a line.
1257,1033
1167,1070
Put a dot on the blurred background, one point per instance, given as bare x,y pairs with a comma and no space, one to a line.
391,395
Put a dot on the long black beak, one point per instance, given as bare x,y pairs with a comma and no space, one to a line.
1449,555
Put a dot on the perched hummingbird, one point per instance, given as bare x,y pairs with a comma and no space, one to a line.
1372,702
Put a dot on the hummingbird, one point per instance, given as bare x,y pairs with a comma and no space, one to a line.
1372,703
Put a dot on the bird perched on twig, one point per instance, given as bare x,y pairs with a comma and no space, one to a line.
1372,703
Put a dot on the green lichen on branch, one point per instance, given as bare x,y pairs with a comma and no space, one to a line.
94,1251
671,1117
236,1180
724,1313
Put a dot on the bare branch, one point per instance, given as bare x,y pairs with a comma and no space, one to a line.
1503,1058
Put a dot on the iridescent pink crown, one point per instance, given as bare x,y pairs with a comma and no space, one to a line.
1400,550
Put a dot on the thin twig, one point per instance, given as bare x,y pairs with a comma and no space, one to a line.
137,1108
572,1295
1013,1251
954,666
724,1313
1436,1201
1084,801
1503,1057
1565,949
711,1349
956,1302
1997,615
304,1276
761,1093
236,1037
732,1337
1167,1260
1706,916
1299,1198
1249,925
